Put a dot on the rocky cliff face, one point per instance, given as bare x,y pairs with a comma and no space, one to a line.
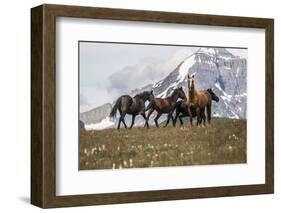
96,115
214,68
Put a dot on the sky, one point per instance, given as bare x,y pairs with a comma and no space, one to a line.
108,70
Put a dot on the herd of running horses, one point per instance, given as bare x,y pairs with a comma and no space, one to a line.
196,105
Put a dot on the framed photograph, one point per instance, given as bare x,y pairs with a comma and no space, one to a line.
136,106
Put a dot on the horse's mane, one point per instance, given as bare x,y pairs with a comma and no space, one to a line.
141,94
174,93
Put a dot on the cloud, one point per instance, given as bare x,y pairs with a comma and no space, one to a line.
91,97
134,76
148,70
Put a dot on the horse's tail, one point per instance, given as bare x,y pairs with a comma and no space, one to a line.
150,105
115,107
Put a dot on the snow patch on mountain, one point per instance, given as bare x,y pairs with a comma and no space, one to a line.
104,124
235,116
225,96
165,92
207,50
185,66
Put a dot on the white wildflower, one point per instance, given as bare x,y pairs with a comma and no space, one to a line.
93,150
131,162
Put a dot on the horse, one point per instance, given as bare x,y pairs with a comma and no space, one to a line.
125,104
197,101
164,105
181,108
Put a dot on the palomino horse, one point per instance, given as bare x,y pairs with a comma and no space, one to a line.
182,111
197,101
164,105
132,106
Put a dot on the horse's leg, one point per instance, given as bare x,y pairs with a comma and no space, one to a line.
172,117
146,123
168,120
180,118
198,113
209,111
122,119
148,115
203,117
157,117
133,121
175,119
190,117
119,122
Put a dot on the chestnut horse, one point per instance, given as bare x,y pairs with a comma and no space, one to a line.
182,111
197,101
164,105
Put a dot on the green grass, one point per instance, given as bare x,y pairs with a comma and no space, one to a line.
222,142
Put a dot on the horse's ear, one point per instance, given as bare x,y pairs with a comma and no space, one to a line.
188,76
151,92
193,75
180,88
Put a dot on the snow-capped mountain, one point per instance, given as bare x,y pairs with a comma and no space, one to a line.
215,68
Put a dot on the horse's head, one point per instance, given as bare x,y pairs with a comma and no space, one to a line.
213,95
151,95
190,80
147,95
181,93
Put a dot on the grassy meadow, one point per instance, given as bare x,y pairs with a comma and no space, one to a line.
222,142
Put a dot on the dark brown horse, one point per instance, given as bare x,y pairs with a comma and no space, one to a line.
197,101
182,111
164,105
132,106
